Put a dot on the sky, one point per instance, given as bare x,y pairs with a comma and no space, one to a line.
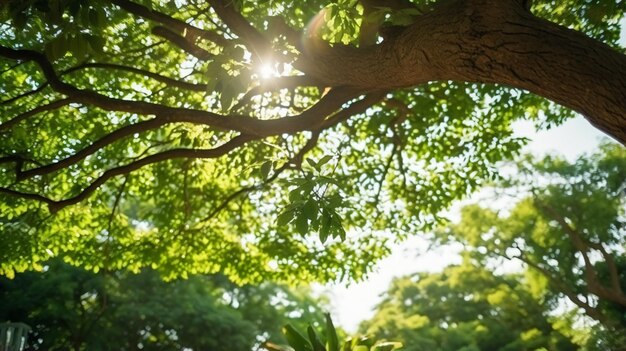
354,303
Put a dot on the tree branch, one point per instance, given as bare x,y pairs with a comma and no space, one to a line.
56,205
613,293
183,43
26,94
255,41
158,77
287,82
106,140
295,161
485,41
307,120
565,289
170,22
43,108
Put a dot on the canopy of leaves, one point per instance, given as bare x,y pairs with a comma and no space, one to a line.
70,308
568,228
465,308
179,135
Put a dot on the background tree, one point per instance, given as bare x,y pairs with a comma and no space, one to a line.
70,308
211,136
465,308
567,228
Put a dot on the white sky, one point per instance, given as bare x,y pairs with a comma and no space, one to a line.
352,304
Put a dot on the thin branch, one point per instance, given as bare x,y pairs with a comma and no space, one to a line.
383,176
158,77
56,205
565,289
26,94
614,293
296,160
93,147
22,116
354,109
287,82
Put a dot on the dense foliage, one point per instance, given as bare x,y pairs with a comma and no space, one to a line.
183,136
466,308
70,308
566,225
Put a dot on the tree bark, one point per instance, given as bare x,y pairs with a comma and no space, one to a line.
485,41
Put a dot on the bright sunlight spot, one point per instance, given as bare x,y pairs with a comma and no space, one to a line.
268,70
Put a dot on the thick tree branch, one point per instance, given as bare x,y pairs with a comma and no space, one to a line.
257,44
308,120
171,22
182,43
487,42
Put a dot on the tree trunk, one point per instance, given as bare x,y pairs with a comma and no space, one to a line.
487,41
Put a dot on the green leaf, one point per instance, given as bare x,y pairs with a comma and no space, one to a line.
96,43
312,163
331,334
302,224
317,344
266,168
295,339
285,217
324,160
310,209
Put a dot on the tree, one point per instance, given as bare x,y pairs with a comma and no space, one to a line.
204,137
70,308
567,229
465,308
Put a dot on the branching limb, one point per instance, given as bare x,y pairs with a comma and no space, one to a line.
354,109
295,161
566,290
582,245
171,22
287,82
25,115
307,120
182,43
158,77
56,205
257,43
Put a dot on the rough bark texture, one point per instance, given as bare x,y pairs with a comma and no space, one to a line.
489,42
